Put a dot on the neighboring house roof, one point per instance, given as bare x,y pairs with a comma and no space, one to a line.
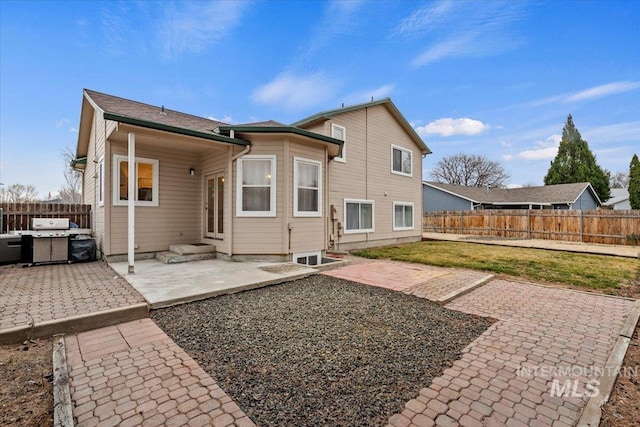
263,124
543,195
618,195
326,115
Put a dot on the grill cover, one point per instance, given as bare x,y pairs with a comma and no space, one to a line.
49,223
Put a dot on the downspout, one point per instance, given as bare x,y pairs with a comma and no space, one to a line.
232,159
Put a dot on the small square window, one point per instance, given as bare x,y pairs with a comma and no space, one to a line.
359,216
401,161
402,216
145,181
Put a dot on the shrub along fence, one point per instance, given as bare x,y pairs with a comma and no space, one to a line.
17,216
597,226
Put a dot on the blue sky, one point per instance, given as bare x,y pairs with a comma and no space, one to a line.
482,77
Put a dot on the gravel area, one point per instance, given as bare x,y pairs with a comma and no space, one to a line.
321,350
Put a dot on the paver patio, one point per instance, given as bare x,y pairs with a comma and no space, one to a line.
505,377
45,293
134,374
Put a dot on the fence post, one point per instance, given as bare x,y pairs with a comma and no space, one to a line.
490,223
529,224
581,226
461,222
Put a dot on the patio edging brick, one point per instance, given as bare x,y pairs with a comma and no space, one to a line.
593,410
74,324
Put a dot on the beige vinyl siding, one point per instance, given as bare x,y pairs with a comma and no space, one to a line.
177,219
366,175
90,185
261,235
307,233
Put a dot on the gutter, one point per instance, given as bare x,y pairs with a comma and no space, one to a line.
173,129
232,159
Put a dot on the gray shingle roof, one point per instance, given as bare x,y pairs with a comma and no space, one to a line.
551,194
617,195
139,111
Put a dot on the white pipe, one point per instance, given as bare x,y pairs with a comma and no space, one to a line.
131,218
231,189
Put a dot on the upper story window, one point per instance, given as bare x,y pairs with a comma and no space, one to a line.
401,161
402,216
339,132
256,186
307,187
358,216
145,181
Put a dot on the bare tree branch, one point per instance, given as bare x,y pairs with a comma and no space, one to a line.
470,170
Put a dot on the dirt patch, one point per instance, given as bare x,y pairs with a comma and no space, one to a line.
622,408
26,396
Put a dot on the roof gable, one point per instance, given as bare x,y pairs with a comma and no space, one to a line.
386,102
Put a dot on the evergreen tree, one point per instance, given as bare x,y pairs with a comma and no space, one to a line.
634,182
576,163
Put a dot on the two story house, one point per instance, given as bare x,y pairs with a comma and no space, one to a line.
338,180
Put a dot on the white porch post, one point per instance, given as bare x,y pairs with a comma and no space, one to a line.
131,218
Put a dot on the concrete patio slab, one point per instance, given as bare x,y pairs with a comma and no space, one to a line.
163,285
45,300
134,374
436,284
554,245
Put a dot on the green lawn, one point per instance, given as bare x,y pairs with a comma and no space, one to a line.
589,271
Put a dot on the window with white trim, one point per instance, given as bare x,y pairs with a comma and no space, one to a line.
358,216
340,132
256,186
307,187
100,178
401,161
402,216
146,181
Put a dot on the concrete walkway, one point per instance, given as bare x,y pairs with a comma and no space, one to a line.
588,248
163,285
516,373
133,374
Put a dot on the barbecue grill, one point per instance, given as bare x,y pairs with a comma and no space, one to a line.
49,240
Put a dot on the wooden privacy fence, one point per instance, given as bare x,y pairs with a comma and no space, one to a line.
597,226
17,216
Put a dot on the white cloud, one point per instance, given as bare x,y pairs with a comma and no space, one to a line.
618,132
590,93
449,126
295,92
338,20
507,157
474,29
603,90
546,149
194,26
375,93
73,129
539,154
427,18
225,119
